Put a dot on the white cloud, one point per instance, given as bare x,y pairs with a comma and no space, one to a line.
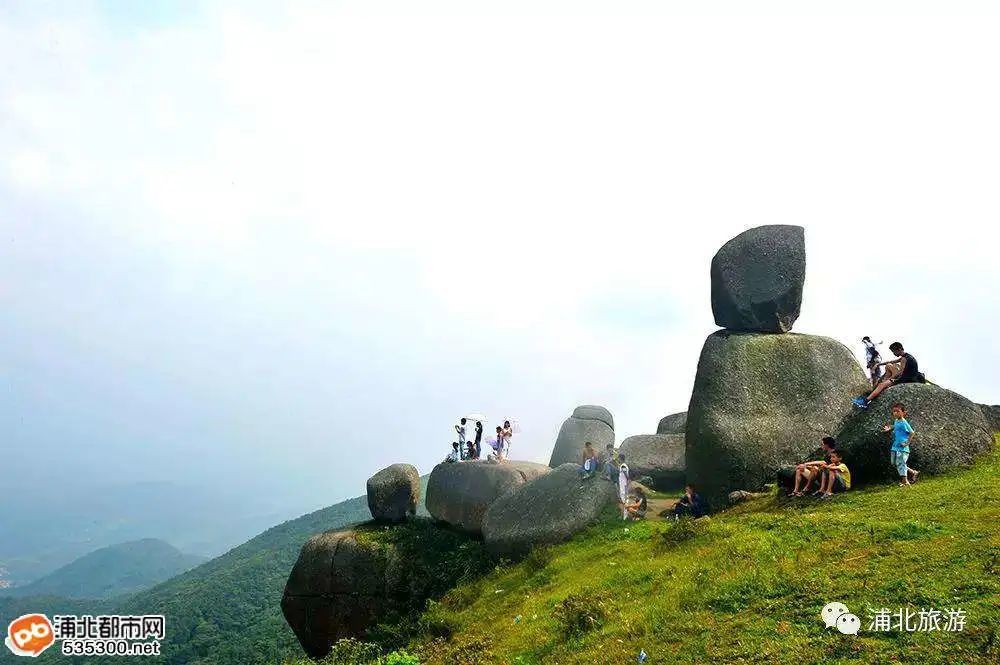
387,209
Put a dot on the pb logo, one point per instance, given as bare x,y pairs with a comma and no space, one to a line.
29,635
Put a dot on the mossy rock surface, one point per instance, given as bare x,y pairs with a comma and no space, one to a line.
675,423
950,431
394,492
761,401
459,493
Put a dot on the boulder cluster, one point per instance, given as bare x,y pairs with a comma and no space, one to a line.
763,398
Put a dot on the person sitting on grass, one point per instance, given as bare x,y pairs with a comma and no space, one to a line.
899,454
836,477
807,472
636,507
589,466
904,369
690,504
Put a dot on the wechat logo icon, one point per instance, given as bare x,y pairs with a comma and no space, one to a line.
836,615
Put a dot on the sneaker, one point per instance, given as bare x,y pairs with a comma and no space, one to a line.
860,402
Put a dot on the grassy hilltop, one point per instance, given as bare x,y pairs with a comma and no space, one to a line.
746,585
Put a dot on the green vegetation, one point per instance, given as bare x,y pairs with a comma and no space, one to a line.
747,585
113,571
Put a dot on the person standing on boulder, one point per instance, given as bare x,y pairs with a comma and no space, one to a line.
902,370
902,435
505,435
460,428
479,438
872,360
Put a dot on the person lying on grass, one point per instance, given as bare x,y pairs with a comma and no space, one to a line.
636,505
836,477
807,472
899,454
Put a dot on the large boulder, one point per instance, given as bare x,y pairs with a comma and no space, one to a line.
460,492
659,456
761,401
592,412
337,589
675,423
546,510
757,279
949,432
393,493
574,435
992,416
344,582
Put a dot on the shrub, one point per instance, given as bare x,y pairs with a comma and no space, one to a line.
401,657
580,613
350,651
681,531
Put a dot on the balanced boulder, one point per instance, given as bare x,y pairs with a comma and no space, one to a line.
592,412
460,492
393,493
949,432
659,456
546,510
574,435
761,401
992,416
675,423
757,279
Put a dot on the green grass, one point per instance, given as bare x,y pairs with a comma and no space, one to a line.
747,585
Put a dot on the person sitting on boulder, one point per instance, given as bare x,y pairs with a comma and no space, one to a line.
904,369
836,477
454,455
807,472
470,450
872,360
690,504
636,508
623,484
589,466
902,435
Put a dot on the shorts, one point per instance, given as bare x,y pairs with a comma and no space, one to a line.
898,459
906,379
838,485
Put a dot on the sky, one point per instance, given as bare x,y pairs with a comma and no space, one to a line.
281,246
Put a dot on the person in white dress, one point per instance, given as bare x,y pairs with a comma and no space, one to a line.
623,485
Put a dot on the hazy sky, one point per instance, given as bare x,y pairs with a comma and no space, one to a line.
292,242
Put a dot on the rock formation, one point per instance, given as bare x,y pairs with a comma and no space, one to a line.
661,457
459,493
992,416
594,424
548,509
761,401
394,492
675,423
757,279
950,432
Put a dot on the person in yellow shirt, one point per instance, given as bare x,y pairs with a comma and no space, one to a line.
836,476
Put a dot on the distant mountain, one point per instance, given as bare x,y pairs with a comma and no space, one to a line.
80,519
112,571
226,611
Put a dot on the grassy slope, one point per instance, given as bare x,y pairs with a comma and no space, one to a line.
748,584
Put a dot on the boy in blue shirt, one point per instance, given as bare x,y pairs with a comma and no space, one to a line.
902,435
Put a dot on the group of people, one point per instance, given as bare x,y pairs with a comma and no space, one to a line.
903,369
470,448
632,498
831,474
